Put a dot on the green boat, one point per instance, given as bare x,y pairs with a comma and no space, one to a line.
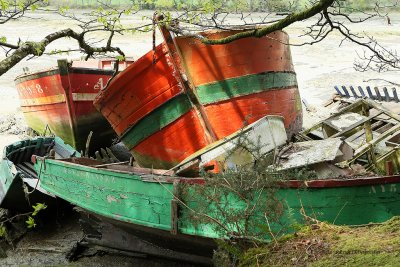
143,202
19,184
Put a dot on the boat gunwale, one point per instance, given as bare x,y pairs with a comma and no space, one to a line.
289,184
55,71
148,173
36,75
207,33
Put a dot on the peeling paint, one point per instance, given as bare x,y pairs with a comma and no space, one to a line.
111,199
393,188
373,189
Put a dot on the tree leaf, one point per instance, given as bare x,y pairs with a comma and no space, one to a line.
30,222
38,207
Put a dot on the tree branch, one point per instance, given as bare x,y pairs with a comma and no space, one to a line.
38,48
279,25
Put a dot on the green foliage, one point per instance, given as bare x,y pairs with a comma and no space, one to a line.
3,230
4,4
38,207
14,6
239,203
63,9
120,57
242,203
206,6
165,4
30,222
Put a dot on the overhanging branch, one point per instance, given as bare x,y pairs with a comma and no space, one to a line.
37,48
279,25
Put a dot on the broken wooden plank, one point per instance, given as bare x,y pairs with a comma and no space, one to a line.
310,152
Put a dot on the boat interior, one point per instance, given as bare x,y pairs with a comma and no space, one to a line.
20,153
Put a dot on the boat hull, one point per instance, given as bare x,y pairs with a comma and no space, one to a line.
200,94
106,232
16,170
60,101
143,199
244,80
148,108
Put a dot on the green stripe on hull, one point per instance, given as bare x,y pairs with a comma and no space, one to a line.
244,85
159,118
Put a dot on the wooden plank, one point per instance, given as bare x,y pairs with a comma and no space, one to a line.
345,91
338,91
359,123
395,97
370,93
354,92
361,91
378,94
387,97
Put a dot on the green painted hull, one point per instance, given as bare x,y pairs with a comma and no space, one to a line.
15,170
141,199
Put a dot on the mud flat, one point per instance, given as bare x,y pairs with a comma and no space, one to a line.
319,68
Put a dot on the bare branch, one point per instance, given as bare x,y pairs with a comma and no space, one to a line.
38,48
279,25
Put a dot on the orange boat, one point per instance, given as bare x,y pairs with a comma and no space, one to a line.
60,99
184,95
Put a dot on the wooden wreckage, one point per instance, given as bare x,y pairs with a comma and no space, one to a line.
201,102
123,202
368,138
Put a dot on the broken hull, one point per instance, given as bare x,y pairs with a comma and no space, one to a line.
61,99
143,199
151,109
16,170
104,231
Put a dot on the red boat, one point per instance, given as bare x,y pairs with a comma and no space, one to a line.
60,100
184,95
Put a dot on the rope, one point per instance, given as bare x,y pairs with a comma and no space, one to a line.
38,179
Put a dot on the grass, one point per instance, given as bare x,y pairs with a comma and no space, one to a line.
324,245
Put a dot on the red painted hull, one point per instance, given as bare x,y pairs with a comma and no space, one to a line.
61,99
228,86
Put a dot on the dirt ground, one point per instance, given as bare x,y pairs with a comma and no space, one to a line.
319,67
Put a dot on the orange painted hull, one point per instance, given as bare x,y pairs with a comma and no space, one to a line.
229,116
208,65
172,103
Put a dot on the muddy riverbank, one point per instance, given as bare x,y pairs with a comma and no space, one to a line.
319,68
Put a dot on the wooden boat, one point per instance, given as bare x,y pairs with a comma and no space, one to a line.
60,99
16,170
143,202
184,95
